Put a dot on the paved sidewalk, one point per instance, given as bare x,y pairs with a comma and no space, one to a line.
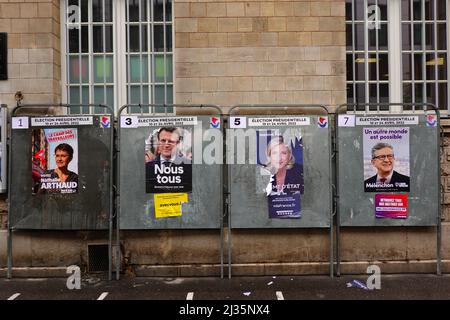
93,287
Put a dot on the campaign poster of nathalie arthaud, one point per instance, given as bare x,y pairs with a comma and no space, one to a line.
54,160
386,159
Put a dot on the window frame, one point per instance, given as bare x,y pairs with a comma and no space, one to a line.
424,52
119,54
395,53
354,52
150,54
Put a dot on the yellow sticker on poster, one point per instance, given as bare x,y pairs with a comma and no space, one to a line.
169,204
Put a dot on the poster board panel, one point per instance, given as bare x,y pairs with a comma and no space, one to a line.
405,145
42,198
258,198
155,162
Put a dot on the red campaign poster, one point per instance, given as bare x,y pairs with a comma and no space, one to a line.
394,206
54,160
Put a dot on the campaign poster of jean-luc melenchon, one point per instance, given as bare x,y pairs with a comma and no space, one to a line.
386,159
281,160
168,157
54,160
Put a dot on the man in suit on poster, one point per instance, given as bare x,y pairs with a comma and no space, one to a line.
386,179
170,171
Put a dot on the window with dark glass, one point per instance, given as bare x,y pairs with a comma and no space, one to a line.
367,51
424,52
423,71
149,52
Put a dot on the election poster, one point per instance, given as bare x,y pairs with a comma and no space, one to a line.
169,204
168,158
54,160
392,206
386,159
280,158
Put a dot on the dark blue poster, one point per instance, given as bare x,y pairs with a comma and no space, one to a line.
281,157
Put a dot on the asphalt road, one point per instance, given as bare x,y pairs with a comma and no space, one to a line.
93,287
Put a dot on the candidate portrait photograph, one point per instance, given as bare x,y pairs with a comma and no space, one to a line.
386,163
168,160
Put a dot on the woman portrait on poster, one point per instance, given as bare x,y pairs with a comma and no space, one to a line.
287,175
60,179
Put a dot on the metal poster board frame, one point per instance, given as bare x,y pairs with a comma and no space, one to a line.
294,126
405,129
3,148
141,206
64,208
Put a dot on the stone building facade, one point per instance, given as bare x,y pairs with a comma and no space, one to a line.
260,52
34,51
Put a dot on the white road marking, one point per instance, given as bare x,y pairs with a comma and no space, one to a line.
190,296
15,295
103,296
279,295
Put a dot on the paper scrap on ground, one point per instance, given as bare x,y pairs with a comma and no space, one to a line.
357,284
